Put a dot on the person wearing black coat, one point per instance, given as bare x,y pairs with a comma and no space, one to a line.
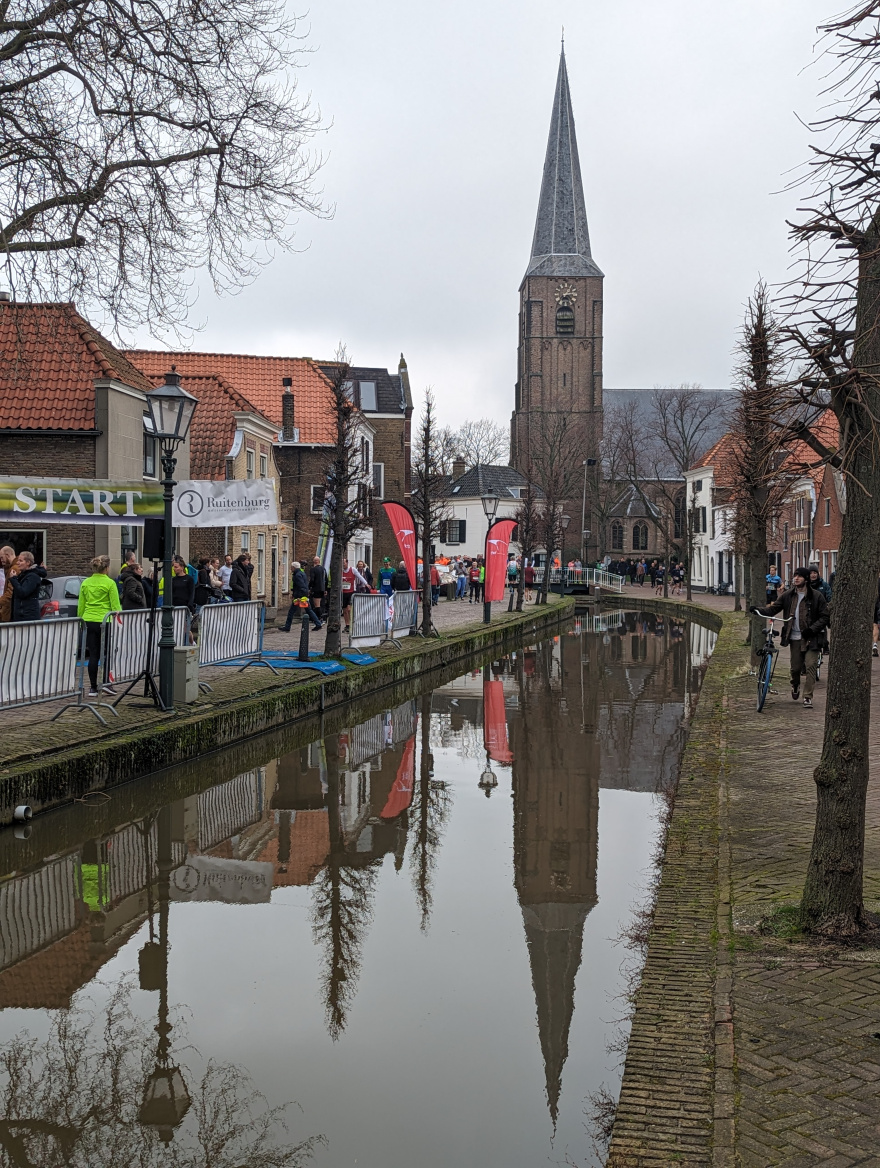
183,587
806,617
240,580
299,590
131,588
400,581
318,585
26,589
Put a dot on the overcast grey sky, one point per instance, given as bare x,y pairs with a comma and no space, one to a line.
686,123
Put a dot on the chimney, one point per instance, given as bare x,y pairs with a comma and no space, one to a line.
288,430
458,468
4,295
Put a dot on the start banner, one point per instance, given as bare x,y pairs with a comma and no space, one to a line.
197,502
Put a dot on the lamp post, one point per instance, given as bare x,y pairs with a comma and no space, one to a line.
588,462
490,500
564,521
171,411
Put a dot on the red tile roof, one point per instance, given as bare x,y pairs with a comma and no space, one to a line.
213,424
50,358
259,379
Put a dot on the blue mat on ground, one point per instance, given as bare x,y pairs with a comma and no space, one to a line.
359,658
282,661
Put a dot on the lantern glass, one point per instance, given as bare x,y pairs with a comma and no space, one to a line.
166,1101
490,503
171,410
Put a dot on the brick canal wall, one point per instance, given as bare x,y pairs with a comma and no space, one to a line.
59,777
676,1099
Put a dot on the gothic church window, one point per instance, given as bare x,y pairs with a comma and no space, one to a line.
617,537
565,320
640,537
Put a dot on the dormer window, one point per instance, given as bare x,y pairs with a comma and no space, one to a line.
565,320
368,395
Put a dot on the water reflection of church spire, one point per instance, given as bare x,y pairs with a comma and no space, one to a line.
556,806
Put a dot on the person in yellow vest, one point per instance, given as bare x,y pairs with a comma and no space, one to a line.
98,595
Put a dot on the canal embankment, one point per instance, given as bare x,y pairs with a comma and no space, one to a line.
48,763
750,1044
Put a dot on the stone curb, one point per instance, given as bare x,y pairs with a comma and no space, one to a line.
677,1096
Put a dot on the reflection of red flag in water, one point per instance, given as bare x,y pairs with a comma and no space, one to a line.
495,722
401,519
400,796
497,545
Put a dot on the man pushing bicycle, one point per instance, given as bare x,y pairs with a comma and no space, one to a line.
806,614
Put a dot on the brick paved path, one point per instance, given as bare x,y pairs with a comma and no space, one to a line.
750,1048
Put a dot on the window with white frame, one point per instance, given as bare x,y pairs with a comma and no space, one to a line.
245,541
149,450
285,579
250,465
378,480
827,512
264,466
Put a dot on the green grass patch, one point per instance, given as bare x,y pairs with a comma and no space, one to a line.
783,921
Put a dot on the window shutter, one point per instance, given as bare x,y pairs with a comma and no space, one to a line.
462,525
444,527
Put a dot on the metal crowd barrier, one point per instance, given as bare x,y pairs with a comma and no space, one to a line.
229,632
406,613
369,619
127,639
372,622
38,661
594,576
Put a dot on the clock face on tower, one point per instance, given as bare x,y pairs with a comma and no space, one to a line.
566,293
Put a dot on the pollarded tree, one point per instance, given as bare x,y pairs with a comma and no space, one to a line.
838,336
428,499
139,142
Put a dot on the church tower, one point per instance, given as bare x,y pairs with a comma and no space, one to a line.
559,366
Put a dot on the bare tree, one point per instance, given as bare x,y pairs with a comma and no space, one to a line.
139,142
73,1098
428,498
527,518
559,444
432,804
347,499
753,457
482,443
447,448
837,335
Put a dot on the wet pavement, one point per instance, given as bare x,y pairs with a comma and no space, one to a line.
406,929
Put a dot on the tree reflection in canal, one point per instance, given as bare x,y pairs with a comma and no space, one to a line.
460,951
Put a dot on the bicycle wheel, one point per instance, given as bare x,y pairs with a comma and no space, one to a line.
765,673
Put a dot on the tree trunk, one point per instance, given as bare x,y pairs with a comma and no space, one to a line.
832,900
757,576
427,623
333,640
737,576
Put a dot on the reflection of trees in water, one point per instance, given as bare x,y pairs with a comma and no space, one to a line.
73,1098
432,803
342,908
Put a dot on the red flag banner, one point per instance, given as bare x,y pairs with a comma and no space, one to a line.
404,525
497,545
495,722
401,794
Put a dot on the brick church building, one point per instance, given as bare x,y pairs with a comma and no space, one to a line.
559,367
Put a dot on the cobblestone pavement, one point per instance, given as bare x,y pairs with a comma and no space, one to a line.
807,1018
28,731
750,1046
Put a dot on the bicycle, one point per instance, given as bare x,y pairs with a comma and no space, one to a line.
767,655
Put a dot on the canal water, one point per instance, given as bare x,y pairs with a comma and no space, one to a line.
393,945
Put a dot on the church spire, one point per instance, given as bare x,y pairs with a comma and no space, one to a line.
561,245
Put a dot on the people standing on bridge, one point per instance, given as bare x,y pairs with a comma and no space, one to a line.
98,595
26,588
131,592
240,578
401,581
806,615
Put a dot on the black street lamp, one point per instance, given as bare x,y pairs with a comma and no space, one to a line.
171,411
564,521
490,500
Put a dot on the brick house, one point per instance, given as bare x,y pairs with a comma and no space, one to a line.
231,439
293,394
828,521
71,404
